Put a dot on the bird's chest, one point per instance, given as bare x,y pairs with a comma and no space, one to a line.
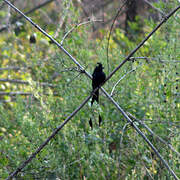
97,79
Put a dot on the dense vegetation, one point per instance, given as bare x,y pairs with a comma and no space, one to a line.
30,111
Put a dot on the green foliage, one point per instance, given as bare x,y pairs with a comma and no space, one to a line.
149,93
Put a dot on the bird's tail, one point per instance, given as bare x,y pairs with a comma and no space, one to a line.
95,97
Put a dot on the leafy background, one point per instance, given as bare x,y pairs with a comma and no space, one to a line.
150,93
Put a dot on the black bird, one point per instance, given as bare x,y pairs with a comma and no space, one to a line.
98,77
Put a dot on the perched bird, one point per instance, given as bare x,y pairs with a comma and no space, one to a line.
98,77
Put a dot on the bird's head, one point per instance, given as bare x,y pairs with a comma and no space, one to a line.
100,65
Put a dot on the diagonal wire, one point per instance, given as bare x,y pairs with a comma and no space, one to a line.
152,133
33,155
142,135
75,61
86,100
143,41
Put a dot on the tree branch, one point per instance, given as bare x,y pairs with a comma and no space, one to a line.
17,81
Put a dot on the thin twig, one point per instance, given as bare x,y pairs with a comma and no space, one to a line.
76,161
121,139
159,138
15,93
132,70
33,155
10,68
17,81
2,93
142,42
71,69
154,59
76,26
147,170
6,101
120,143
152,6
141,134
117,14
161,122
